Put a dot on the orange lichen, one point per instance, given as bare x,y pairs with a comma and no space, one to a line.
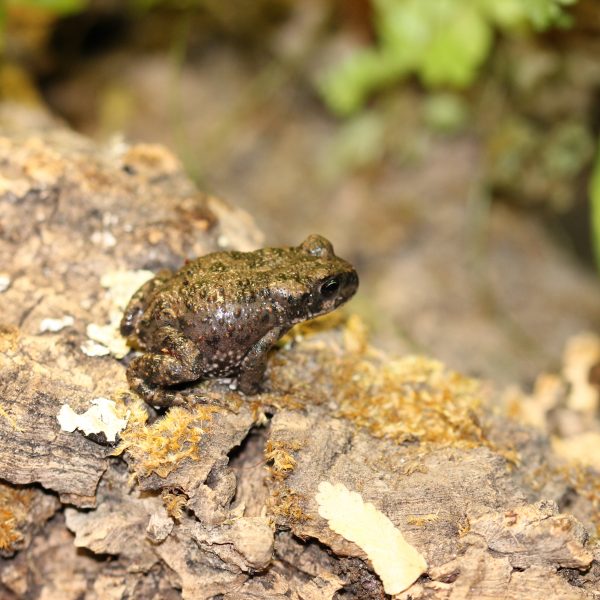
279,453
160,447
14,507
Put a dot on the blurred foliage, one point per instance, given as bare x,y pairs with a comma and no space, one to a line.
535,114
594,192
400,129
146,5
538,164
59,7
444,42
50,7
445,112
359,143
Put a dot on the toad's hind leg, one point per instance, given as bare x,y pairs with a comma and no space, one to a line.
174,361
139,301
254,364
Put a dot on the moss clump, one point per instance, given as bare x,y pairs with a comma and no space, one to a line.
174,502
8,530
422,520
14,507
160,447
405,399
9,338
582,480
278,452
412,397
314,326
286,503
585,481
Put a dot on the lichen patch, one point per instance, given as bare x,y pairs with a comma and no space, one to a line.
101,417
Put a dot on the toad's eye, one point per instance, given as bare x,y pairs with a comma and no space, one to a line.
330,287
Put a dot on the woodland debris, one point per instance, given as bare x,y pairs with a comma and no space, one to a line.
217,498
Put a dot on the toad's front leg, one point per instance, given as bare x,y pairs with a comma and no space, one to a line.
171,362
253,365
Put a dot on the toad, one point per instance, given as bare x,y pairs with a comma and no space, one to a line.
220,314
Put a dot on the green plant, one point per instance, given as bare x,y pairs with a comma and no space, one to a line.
443,42
60,7
594,192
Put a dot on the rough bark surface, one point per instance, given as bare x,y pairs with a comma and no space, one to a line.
229,510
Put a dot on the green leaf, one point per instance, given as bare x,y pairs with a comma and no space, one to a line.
457,49
405,28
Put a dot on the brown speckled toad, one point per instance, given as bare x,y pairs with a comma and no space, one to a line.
218,316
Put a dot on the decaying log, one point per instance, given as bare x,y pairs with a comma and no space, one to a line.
220,498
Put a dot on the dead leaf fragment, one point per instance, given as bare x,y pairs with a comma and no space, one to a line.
397,562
